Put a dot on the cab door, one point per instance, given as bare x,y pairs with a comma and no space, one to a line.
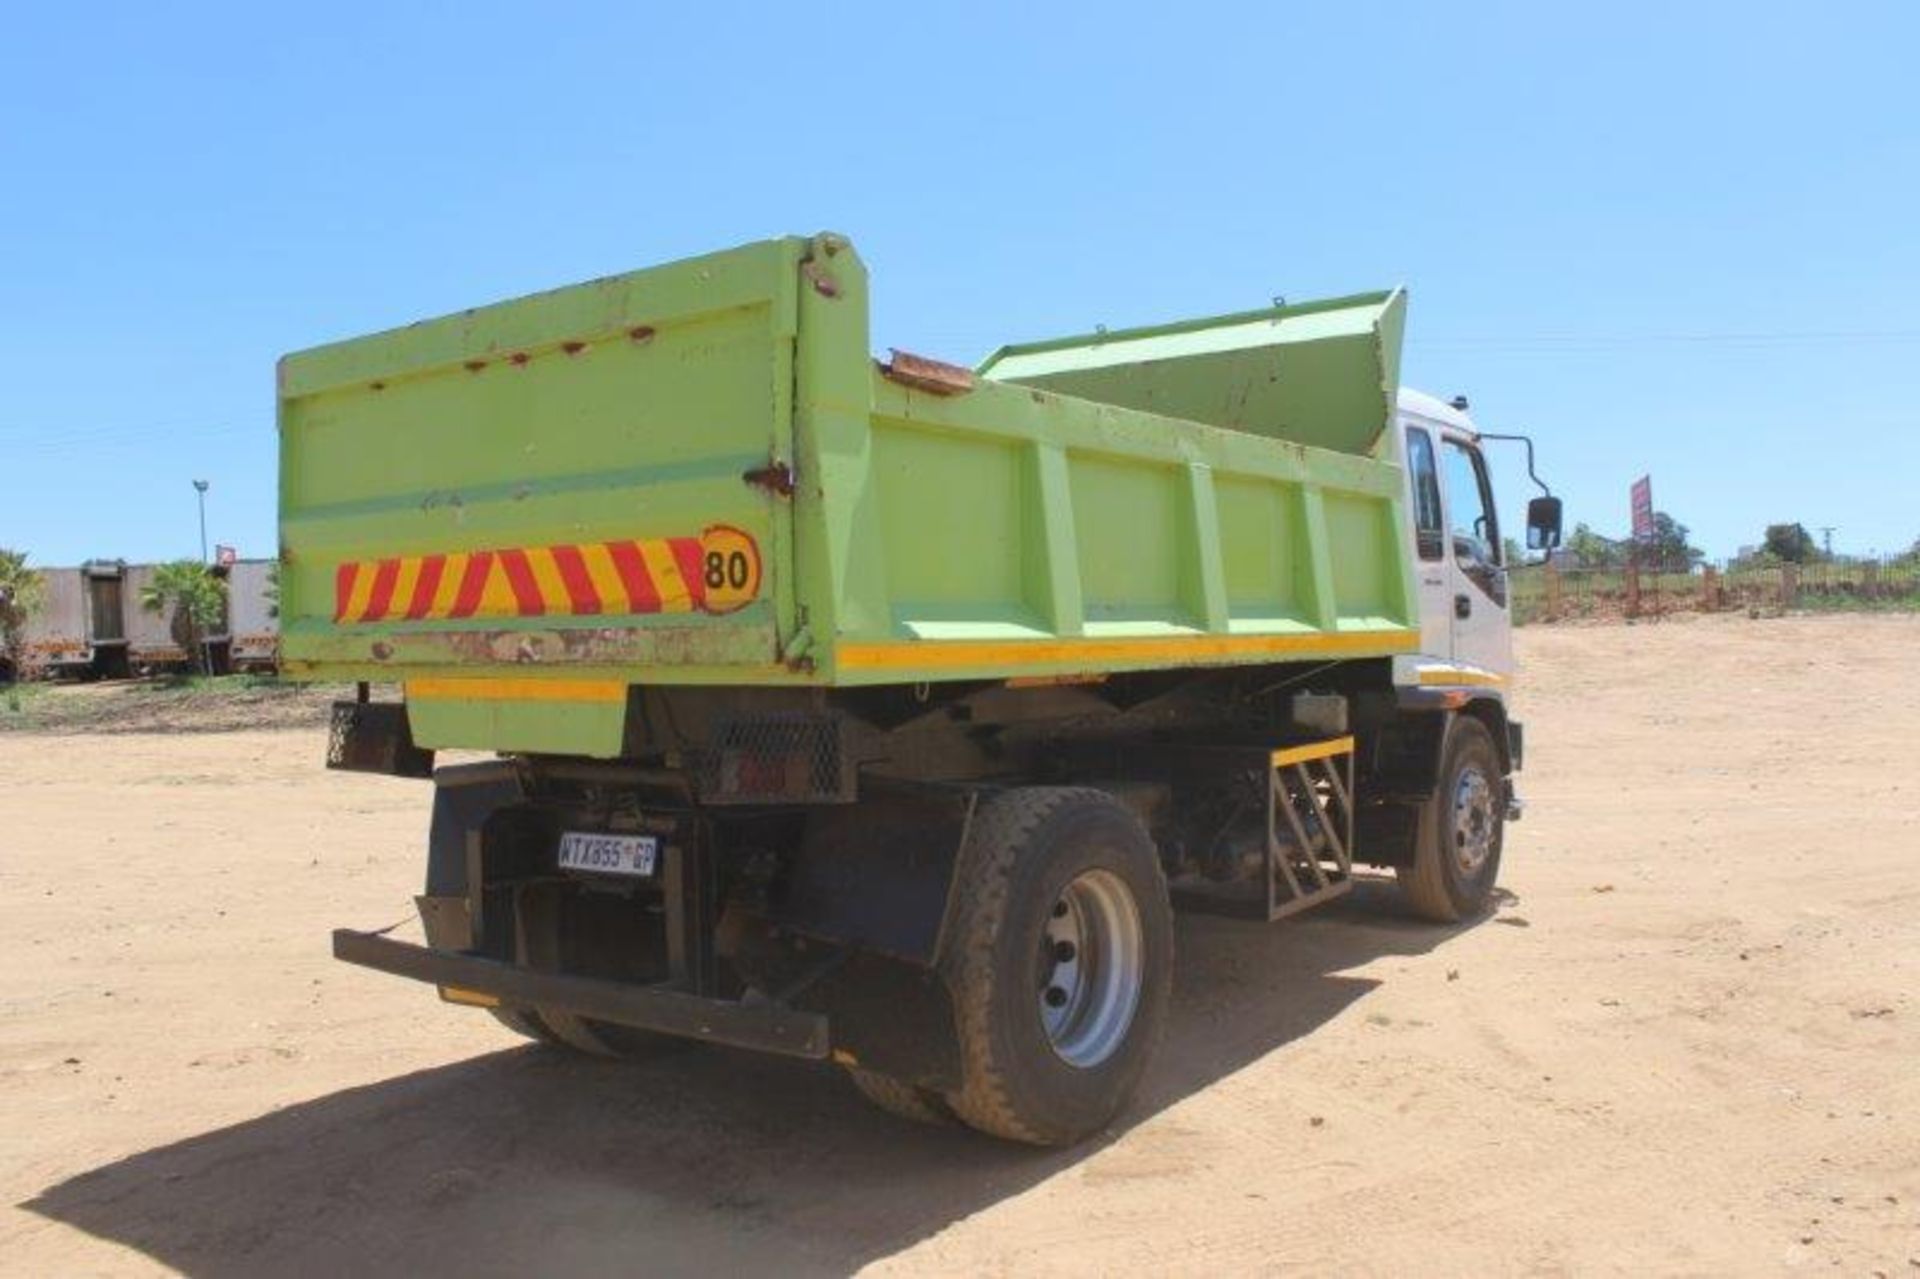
1475,566
1433,582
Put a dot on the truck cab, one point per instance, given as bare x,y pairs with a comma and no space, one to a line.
1458,554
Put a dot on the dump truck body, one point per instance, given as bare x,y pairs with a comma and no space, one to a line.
697,475
882,712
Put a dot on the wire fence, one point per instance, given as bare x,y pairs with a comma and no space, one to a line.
1554,593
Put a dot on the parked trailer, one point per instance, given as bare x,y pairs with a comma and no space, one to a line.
882,713
152,642
253,631
56,639
77,630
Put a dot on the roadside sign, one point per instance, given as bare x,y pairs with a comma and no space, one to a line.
1642,498
224,556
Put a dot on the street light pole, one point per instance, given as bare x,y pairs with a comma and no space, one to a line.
200,487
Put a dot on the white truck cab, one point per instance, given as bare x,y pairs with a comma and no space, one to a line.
1460,569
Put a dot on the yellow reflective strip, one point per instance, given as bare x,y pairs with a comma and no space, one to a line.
547,579
496,596
1312,750
403,583
471,998
363,575
666,576
1458,675
449,588
606,578
951,654
516,690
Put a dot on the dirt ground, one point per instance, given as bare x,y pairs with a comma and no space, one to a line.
1688,1041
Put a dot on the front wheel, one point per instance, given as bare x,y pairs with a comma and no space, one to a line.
1462,827
1060,958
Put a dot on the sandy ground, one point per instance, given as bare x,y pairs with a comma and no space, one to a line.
1687,1042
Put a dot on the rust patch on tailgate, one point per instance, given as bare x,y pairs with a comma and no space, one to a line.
691,645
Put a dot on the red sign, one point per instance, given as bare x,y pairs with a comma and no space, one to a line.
1642,496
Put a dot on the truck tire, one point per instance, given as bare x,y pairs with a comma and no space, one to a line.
1059,956
1457,849
525,1022
551,1028
896,1097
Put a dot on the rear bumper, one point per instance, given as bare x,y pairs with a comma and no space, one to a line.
765,1027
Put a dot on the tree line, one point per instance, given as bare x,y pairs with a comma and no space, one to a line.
1670,549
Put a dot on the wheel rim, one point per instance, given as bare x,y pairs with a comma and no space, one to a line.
1092,960
1474,821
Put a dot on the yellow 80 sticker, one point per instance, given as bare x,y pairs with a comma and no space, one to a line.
729,569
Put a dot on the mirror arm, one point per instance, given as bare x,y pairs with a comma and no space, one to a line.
1528,441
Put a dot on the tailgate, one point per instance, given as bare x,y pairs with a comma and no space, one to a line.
546,494
1323,373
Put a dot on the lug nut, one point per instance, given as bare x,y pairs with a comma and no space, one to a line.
1063,952
1056,996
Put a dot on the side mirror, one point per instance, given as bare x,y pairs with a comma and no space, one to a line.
1543,524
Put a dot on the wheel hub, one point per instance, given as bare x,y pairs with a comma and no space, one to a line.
1091,966
1475,820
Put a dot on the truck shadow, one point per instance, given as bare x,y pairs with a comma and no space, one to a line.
705,1161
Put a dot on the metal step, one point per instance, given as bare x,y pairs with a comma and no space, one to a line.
1308,852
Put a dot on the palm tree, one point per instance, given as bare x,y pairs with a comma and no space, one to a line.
21,590
196,598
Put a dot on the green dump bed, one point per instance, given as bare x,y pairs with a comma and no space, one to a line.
698,474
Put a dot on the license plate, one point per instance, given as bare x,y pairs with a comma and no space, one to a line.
634,855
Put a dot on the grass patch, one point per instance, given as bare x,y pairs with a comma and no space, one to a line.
1857,604
17,701
214,685
172,703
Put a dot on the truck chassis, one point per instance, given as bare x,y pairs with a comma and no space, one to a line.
835,866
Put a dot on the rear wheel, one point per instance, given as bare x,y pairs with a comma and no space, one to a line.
897,1097
1059,959
1457,854
526,1022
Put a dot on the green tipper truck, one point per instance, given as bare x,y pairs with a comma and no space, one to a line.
881,712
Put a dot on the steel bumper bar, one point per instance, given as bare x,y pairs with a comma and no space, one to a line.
766,1026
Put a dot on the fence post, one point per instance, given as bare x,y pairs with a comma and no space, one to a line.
1710,589
1553,591
1633,589
1789,585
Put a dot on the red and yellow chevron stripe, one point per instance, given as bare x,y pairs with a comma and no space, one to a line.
716,572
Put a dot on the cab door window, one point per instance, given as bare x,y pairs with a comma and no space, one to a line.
1429,527
1475,532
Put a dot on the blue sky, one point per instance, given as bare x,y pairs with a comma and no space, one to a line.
1675,238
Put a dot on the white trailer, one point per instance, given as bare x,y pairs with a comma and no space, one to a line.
253,632
151,641
78,627
57,638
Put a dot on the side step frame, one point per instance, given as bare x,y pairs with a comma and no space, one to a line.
1316,777
1309,827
